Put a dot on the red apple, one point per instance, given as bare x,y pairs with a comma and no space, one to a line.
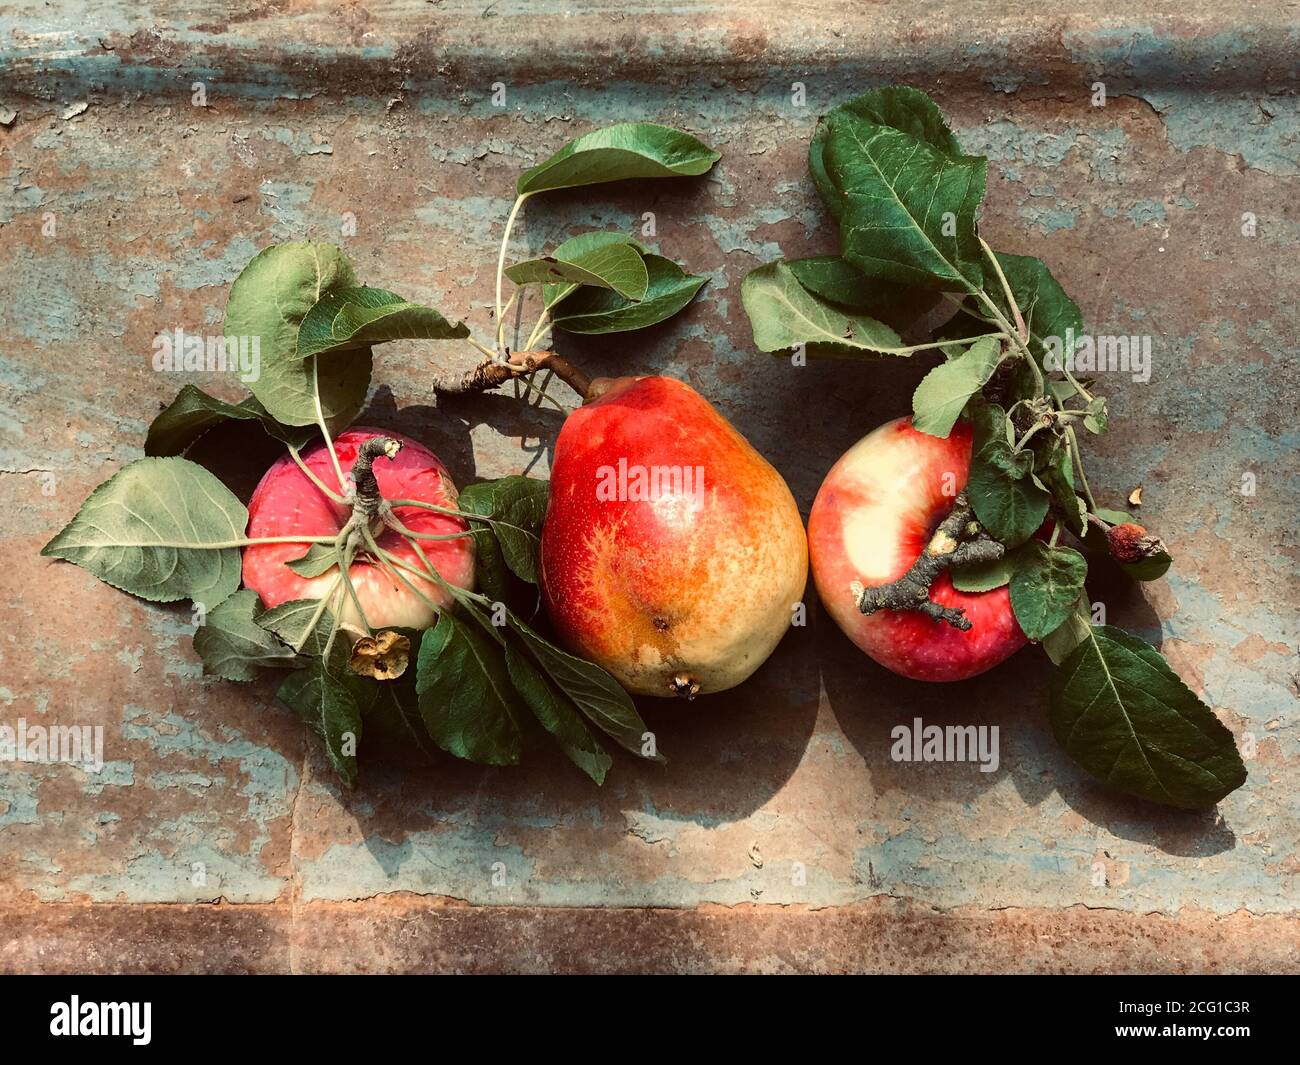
287,503
672,554
871,519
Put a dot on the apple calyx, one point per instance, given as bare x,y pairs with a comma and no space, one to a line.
959,540
383,657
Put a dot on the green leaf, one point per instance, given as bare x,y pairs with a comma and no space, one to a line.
614,265
575,248
908,212
304,624
594,310
1048,312
836,279
1127,718
1045,587
358,317
1009,505
898,106
1057,475
193,412
944,392
330,699
627,150
154,529
467,701
269,300
557,716
1095,420
320,558
783,314
1149,569
517,507
598,695
1061,642
984,576
232,644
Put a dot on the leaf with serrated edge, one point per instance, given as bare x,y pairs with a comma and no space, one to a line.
782,314
150,530
898,106
909,210
1045,586
1127,718
232,644
1007,504
944,392
556,714
615,153
468,703
836,279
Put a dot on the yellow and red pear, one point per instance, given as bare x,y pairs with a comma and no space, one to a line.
673,553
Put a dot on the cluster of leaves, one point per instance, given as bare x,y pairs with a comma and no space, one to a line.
906,199
485,680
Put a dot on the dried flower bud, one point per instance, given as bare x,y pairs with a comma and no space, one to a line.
1130,542
383,657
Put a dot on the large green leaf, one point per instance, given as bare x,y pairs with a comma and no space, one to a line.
361,316
557,715
1045,587
269,300
331,699
154,529
193,412
908,209
898,106
944,392
1004,497
782,313
467,700
598,695
233,645
1127,718
594,310
626,150
616,265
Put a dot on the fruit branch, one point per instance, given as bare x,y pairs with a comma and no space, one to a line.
960,540
492,374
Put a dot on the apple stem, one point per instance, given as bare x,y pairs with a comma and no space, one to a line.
958,541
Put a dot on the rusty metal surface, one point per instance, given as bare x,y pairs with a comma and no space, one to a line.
157,204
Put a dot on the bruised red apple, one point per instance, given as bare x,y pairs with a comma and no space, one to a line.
872,518
673,553
287,503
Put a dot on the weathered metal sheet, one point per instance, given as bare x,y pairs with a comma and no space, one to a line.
780,801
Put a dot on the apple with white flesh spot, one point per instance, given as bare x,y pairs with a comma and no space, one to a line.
876,512
288,503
